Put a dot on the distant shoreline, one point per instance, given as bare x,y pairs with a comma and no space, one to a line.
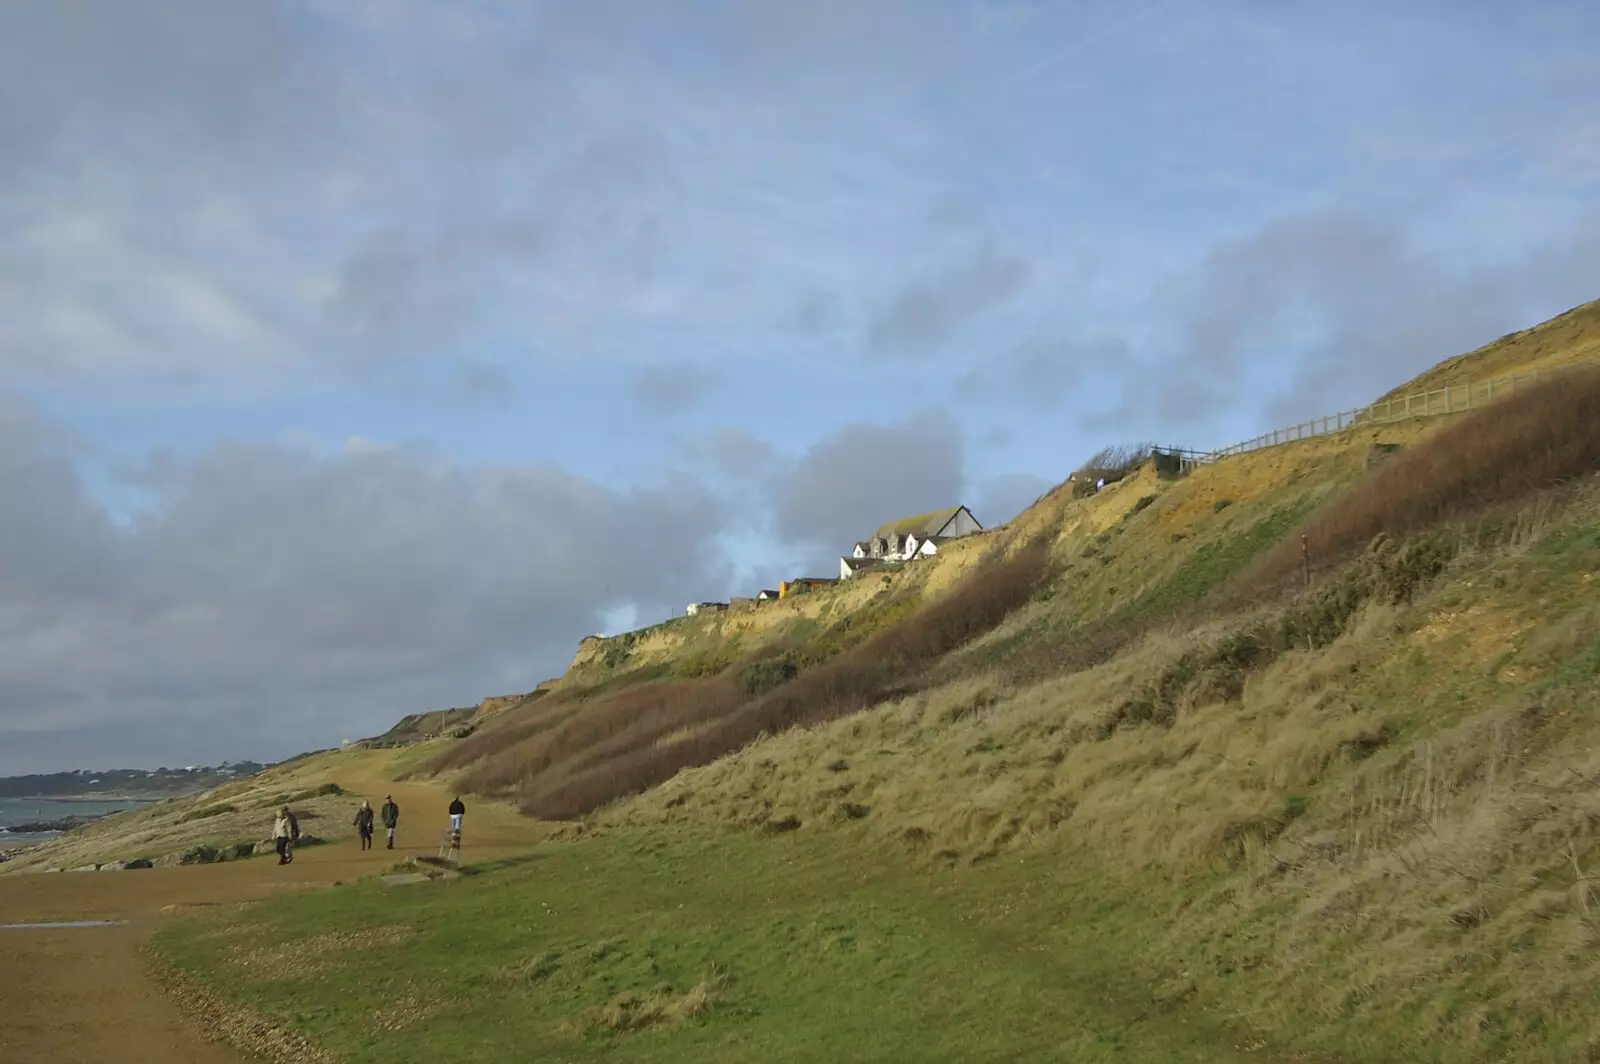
85,798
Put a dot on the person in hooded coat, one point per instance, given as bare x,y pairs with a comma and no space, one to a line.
364,824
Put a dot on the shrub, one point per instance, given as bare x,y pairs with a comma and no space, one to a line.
1112,463
762,675
207,813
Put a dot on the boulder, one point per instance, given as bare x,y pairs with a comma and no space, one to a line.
192,856
85,868
139,862
113,866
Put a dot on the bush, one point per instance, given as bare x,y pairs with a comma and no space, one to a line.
761,676
1112,463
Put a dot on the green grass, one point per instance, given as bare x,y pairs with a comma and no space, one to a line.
1215,562
811,947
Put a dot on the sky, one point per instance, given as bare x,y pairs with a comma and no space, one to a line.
358,357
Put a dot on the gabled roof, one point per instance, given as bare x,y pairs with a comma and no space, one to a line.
928,524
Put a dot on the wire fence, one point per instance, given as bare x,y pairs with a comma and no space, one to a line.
1438,402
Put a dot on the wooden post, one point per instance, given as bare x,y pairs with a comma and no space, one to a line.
1305,556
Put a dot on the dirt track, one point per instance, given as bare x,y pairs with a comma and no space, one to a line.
85,994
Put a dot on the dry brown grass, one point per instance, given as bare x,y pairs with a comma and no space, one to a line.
1527,443
884,665
661,1007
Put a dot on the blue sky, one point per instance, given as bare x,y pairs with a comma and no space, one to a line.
359,357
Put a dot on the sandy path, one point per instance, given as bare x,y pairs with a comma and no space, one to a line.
85,994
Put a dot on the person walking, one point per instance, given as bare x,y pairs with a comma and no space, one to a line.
390,814
364,824
283,836
456,812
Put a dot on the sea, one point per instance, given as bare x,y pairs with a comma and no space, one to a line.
31,810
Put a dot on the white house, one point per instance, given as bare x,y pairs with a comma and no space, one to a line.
910,538
696,608
904,538
922,546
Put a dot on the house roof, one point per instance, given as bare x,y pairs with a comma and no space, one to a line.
861,563
928,524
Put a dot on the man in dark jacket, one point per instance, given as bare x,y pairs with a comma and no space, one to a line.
456,811
364,824
294,833
390,815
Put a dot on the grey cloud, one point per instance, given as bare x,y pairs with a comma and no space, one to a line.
669,389
395,292
813,313
206,189
923,315
1356,308
1003,497
1046,369
733,454
862,475
286,600
483,382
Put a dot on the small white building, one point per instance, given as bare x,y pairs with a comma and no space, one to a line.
696,608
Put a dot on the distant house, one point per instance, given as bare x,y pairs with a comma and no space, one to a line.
696,608
739,604
909,538
849,567
767,596
952,522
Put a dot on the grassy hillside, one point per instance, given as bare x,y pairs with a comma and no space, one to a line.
1117,763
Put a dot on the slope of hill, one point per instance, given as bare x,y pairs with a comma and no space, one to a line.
1354,820
1567,339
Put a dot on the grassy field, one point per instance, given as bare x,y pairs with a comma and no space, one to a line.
689,945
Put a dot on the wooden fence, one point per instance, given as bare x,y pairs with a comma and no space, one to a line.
1455,399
